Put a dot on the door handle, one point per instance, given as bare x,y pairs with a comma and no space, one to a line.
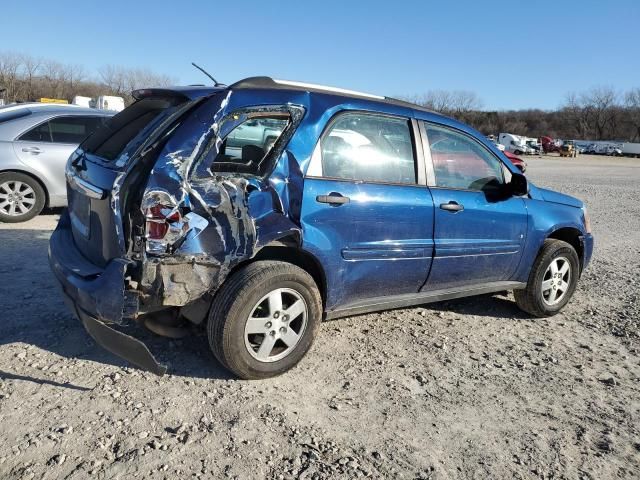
333,198
452,207
33,150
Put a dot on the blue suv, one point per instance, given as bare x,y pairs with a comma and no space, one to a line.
259,209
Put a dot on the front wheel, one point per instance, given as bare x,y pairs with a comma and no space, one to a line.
264,319
552,281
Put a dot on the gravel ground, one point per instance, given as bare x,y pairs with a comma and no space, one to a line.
463,389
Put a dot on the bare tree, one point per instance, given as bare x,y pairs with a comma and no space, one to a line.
632,102
31,67
10,63
599,108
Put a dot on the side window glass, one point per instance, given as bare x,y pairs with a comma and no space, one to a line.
41,133
369,148
244,148
71,129
461,162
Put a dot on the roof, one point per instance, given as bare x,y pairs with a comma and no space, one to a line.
275,84
37,107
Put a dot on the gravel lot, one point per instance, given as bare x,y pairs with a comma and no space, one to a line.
462,389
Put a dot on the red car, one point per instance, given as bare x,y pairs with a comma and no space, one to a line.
517,161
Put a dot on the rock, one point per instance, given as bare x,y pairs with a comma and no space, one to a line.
611,381
57,459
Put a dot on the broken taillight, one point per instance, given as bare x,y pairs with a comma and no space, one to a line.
166,227
158,218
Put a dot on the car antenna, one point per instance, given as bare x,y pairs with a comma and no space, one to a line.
215,82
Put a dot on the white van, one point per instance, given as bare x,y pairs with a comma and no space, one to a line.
107,102
514,144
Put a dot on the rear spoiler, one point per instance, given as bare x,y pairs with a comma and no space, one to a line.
192,92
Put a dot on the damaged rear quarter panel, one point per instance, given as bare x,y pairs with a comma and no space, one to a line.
243,212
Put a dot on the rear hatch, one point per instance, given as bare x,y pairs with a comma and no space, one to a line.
103,159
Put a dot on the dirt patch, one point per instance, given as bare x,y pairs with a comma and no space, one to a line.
463,389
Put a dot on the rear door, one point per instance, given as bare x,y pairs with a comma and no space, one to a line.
366,212
479,229
47,146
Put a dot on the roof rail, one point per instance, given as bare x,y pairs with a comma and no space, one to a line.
271,83
268,82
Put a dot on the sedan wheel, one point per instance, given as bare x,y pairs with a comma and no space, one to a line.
21,197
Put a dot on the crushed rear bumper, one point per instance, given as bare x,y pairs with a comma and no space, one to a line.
98,298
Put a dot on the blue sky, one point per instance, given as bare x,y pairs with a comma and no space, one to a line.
513,54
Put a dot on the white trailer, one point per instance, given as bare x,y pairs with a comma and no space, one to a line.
630,149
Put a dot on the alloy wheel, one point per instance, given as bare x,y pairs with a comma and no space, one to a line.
16,198
556,281
276,325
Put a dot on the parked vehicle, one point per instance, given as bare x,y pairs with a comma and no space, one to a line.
514,144
631,149
107,102
517,161
81,101
568,149
534,145
35,143
362,203
604,149
549,145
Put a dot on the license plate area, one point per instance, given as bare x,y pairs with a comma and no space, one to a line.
80,213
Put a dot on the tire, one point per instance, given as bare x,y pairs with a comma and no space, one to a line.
535,299
25,191
248,293
517,152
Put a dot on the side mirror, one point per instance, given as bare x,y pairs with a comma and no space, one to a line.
518,185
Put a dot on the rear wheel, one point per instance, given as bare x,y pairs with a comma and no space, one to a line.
264,319
21,197
552,281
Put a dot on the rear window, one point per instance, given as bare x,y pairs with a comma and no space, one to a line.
109,142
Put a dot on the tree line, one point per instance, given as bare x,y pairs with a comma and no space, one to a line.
27,78
601,113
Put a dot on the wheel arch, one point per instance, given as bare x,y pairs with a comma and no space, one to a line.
34,177
288,250
572,236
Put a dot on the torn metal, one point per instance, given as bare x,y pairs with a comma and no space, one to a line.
207,221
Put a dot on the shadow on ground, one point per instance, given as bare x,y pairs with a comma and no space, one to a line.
35,314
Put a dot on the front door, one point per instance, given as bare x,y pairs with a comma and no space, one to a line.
365,215
479,230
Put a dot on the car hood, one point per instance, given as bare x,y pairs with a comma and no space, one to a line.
557,197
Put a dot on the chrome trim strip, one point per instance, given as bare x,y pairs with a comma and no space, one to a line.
85,187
